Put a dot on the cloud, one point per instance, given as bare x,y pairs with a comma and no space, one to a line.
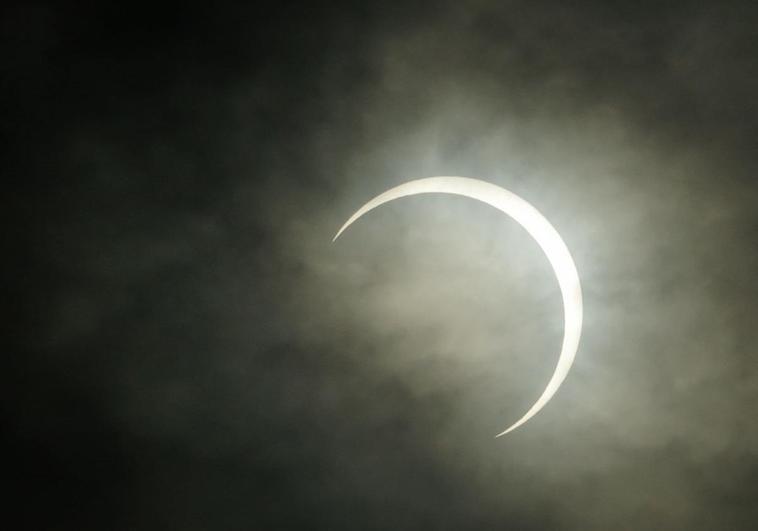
256,372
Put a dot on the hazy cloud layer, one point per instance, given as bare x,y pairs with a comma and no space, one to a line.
197,354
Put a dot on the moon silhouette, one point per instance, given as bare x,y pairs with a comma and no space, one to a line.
540,229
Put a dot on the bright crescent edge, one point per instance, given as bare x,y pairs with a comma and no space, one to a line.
544,234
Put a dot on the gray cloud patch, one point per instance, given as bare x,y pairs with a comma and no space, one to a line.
200,355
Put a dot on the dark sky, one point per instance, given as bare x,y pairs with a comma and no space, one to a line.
188,350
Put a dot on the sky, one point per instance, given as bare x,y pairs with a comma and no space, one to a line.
187,349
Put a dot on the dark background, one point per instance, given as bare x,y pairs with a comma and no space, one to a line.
187,349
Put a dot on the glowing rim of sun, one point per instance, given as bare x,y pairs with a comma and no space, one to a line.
544,234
